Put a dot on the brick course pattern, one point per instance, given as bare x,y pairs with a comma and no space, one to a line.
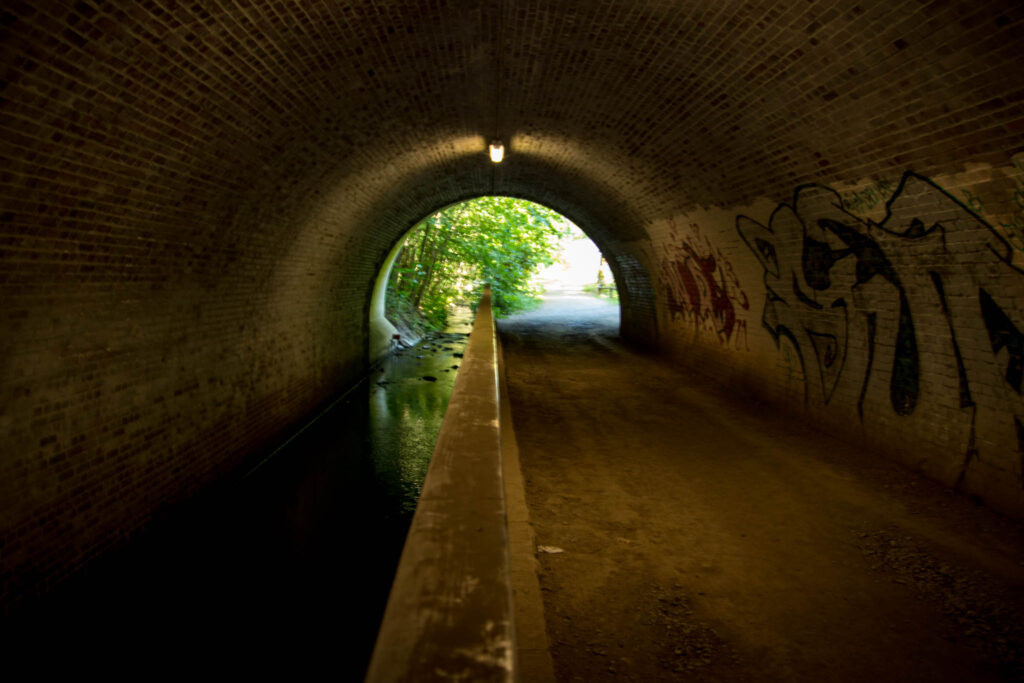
196,197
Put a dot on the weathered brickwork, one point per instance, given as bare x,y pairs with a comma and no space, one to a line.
196,197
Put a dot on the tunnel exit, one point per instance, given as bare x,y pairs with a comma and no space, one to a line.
525,251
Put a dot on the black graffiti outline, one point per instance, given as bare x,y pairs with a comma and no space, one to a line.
817,259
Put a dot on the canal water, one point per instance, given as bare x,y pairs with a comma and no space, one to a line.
288,569
408,398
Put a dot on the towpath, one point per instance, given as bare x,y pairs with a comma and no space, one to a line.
690,535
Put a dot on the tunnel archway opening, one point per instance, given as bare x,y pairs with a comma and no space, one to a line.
520,247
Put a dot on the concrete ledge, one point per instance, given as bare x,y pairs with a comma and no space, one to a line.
449,615
533,654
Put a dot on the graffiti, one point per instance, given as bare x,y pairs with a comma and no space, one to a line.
1015,227
1015,232
701,287
869,197
789,360
915,318
972,201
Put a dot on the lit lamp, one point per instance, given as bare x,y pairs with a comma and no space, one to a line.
497,152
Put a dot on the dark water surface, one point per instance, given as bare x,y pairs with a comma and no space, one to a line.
288,568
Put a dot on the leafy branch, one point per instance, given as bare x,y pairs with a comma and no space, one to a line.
502,241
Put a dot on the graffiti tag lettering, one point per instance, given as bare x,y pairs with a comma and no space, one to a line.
1015,227
869,197
917,318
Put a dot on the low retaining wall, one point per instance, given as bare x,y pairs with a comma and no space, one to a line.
449,616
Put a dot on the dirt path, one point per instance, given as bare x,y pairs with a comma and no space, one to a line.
705,540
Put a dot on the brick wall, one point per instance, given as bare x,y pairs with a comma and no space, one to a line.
889,311
196,197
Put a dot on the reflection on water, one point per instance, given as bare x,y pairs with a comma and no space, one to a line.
407,403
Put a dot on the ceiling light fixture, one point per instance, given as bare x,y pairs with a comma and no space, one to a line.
497,152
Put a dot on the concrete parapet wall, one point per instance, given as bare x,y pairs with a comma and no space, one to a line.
449,615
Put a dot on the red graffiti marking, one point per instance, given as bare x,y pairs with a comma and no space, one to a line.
702,288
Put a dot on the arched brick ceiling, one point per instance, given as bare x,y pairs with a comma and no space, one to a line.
196,196
202,112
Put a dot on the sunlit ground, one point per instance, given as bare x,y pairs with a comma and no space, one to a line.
578,266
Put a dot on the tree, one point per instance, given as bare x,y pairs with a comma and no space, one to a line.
502,241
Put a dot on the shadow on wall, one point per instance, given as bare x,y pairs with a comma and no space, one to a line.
638,320
914,322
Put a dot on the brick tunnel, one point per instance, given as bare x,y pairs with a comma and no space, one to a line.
820,204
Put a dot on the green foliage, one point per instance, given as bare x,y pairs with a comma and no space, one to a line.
502,241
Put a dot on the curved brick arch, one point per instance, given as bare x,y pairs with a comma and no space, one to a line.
195,200
638,322
580,199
